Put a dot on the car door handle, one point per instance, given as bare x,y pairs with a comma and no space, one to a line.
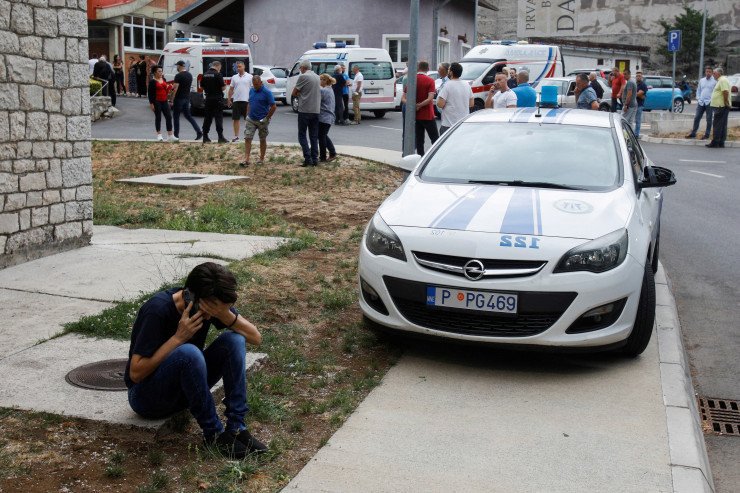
657,195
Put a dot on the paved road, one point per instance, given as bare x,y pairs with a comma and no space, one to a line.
699,238
136,121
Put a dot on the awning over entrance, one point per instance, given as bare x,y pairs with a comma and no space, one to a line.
225,15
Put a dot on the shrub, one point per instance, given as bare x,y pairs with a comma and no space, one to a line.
95,86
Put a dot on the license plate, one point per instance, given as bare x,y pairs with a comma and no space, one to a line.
484,301
372,91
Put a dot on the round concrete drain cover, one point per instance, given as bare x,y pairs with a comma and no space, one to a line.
102,375
183,178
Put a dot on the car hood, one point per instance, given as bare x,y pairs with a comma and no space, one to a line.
507,209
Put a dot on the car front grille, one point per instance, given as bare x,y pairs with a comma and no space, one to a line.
537,312
498,268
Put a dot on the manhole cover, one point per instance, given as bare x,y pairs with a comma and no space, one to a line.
185,178
102,375
720,415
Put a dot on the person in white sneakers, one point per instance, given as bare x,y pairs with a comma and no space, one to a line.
241,83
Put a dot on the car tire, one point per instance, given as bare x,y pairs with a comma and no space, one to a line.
642,330
677,106
656,252
294,104
379,113
478,105
604,107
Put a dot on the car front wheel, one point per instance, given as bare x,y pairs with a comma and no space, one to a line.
643,327
379,113
678,105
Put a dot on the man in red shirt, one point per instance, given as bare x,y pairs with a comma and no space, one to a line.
424,107
616,79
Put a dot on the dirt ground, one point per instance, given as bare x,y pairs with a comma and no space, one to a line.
322,359
733,134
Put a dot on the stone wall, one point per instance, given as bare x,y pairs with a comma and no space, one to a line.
45,170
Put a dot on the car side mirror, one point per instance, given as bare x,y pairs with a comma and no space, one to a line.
656,177
409,163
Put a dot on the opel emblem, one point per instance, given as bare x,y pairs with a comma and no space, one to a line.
474,269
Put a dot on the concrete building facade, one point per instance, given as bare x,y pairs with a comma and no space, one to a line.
45,170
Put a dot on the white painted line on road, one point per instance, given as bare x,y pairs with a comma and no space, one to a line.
387,128
708,174
701,161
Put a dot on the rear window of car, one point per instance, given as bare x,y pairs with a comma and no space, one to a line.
373,70
568,155
228,64
280,73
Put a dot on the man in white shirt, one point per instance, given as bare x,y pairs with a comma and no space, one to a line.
92,61
703,98
356,93
504,98
238,97
455,99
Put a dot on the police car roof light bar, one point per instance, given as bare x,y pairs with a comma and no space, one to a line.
319,46
549,97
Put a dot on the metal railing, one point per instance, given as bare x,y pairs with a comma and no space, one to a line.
103,86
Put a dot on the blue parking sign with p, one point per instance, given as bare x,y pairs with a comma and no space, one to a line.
674,40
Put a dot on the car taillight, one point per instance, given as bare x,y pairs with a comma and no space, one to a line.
270,81
734,89
200,77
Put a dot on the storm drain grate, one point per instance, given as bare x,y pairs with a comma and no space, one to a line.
101,375
720,416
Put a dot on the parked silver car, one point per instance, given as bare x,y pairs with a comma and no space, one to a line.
273,78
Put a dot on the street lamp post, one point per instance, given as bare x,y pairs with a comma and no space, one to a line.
408,127
703,32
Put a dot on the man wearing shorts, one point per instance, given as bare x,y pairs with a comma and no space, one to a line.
260,109
238,98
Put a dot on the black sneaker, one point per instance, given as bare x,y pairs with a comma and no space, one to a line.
222,140
199,136
206,139
228,445
252,445
306,164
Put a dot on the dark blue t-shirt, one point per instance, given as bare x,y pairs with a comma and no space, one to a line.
156,323
259,103
642,87
184,80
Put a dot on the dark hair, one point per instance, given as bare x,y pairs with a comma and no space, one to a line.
95,55
456,70
626,71
141,57
582,77
423,66
210,280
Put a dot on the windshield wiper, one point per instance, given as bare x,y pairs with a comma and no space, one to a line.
521,183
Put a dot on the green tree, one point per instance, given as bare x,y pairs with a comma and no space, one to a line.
689,23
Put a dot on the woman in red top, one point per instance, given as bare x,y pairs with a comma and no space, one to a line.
159,90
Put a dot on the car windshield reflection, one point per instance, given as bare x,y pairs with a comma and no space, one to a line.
523,154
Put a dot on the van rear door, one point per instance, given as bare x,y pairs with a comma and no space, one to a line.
379,80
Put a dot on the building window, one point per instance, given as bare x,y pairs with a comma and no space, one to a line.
140,33
397,46
443,50
348,39
599,61
465,50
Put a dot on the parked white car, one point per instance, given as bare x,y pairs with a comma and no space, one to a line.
557,251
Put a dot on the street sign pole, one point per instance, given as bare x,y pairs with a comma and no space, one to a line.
674,44
703,33
674,79
409,136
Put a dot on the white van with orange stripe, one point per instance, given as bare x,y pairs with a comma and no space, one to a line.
379,87
198,54
483,62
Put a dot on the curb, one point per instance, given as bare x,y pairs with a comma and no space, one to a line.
689,462
682,142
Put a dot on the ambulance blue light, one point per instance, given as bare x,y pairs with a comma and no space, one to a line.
549,97
319,46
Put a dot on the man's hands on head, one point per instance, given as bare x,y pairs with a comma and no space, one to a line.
217,309
188,326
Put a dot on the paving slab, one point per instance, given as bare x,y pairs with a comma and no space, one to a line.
182,180
29,318
473,421
34,380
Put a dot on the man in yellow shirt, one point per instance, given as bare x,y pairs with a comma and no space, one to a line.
721,108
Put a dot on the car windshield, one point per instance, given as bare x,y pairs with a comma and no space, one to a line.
473,70
546,156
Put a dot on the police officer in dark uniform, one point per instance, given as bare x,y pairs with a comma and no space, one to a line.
213,85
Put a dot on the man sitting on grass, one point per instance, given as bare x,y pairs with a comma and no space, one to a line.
168,370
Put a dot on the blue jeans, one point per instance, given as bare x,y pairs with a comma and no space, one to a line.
309,121
700,109
184,380
638,121
182,105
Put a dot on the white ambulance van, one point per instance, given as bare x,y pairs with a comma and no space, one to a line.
379,87
198,54
483,62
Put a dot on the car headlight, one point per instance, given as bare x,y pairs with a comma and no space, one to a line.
381,240
599,255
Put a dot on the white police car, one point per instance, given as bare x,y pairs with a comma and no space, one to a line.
534,227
